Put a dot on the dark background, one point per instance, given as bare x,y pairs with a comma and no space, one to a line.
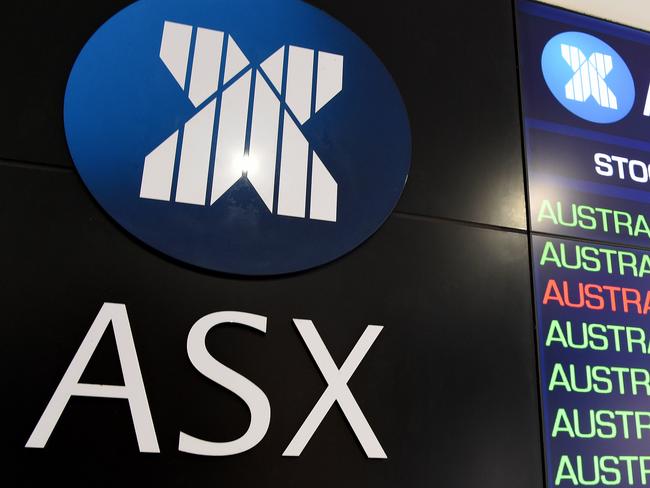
450,385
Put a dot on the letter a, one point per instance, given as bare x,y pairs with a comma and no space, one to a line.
133,389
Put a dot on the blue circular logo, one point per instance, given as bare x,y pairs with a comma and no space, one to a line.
588,77
254,137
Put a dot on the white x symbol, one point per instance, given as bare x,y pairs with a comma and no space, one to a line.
588,78
267,147
337,390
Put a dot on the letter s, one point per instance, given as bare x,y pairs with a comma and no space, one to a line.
603,164
254,397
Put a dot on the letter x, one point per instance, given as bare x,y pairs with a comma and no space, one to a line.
337,390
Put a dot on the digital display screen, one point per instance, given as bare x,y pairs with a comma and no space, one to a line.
586,109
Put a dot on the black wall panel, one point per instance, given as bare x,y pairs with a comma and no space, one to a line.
455,64
39,42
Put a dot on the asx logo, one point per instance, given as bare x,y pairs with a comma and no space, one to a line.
588,77
252,117
248,137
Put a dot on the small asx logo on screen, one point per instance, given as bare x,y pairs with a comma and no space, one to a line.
588,77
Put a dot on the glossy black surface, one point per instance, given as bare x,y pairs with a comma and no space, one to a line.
454,63
449,387
39,42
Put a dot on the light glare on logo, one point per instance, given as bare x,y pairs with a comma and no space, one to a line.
246,163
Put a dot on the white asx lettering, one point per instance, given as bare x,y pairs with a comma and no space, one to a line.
255,399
